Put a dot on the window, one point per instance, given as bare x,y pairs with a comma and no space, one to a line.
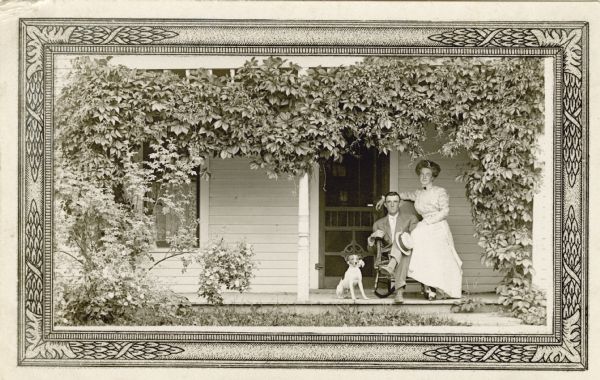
167,223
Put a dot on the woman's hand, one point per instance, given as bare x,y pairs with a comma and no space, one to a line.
380,203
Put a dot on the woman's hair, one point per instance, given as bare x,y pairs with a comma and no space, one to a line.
435,168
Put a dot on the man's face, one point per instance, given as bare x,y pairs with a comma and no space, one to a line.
392,203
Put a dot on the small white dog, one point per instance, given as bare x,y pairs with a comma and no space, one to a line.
352,277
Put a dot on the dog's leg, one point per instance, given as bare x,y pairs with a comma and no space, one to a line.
362,290
339,291
352,291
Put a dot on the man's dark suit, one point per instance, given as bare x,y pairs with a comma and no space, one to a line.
406,221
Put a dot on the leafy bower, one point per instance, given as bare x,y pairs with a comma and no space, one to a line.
286,120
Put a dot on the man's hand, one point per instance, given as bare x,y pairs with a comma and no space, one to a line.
378,234
375,235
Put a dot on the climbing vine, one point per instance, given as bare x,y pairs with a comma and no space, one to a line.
286,120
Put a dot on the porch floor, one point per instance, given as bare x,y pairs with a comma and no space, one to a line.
328,297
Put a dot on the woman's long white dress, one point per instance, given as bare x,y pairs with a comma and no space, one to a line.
434,260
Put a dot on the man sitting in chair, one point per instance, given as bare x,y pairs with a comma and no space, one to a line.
401,218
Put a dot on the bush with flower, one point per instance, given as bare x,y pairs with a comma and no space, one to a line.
224,267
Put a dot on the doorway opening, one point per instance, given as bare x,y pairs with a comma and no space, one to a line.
348,191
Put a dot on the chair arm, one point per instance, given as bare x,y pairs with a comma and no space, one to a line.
380,251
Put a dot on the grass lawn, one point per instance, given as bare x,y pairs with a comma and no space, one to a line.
338,316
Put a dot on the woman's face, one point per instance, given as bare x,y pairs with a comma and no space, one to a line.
426,177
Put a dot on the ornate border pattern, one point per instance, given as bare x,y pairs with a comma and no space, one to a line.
122,350
475,37
33,261
570,42
480,353
36,35
121,35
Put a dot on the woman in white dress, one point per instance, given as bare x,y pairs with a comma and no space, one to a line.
434,261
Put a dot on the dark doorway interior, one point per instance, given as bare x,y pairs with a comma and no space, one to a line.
348,190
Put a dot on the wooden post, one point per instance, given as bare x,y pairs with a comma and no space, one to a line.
303,271
313,238
203,206
394,170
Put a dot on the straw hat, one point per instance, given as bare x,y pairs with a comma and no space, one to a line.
404,241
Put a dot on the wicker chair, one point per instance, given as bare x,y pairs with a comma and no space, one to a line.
383,284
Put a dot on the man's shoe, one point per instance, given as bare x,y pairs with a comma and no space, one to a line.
388,270
399,298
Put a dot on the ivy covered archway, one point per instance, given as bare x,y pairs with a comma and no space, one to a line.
286,120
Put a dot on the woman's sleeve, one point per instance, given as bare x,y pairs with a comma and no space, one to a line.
414,221
408,195
443,206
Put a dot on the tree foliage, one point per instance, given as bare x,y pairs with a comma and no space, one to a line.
286,120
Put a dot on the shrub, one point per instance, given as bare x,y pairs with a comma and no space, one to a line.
117,294
525,302
467,304
224,266
165,308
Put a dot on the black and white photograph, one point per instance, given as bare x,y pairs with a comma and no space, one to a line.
302,193
272,191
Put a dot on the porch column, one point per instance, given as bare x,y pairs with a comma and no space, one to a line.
203,207
303,271
394,162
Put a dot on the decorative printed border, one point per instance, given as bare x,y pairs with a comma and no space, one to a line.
41,38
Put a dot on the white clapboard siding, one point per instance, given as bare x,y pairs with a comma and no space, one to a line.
241,206
476,276
246,204
62,68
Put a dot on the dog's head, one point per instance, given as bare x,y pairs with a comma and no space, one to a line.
355,261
